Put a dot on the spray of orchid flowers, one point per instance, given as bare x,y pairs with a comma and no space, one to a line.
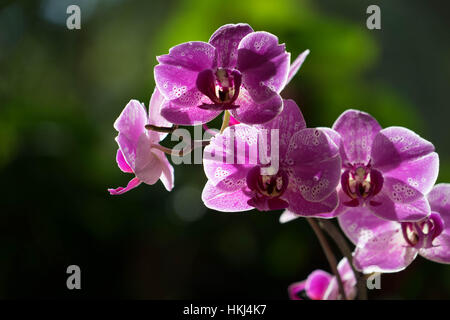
378,183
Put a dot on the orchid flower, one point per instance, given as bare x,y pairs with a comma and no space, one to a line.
320,285
389,246
237,70
136,154
305,182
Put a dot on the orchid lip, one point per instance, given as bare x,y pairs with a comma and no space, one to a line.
422,233
221,86
361,182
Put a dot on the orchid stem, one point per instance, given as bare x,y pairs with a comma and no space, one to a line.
328,253
342,243
226,121
161,129
194,145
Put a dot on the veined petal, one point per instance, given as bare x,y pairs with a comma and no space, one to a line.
177,71
123,165
227,157
314,163
263,64
400,191
288,122
154,112
295,66
394,145
303,208
217,199
384,207
439,199
226,41
358,130
130,124
187,115
148,166
252,112
380,246
419,173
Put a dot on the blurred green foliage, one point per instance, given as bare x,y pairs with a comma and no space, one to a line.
61,90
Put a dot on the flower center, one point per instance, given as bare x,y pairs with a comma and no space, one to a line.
422,233
272,186
221,87
224,86
361,182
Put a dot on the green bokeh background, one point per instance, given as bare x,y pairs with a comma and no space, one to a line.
61,90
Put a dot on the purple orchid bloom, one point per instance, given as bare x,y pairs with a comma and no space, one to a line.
135,153
321,285
388,171
389,246
306,179
238,70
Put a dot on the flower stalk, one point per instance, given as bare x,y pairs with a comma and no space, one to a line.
328,253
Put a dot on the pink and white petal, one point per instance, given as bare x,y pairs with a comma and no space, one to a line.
301,207
216,199
317,284
312,145
359,224
348,281
148,166
154,112
337,139
177,71
358,130
227,157
132,120
167,175
226,41
419,173
263,64
295,66
400,191
187,115
252,112
439,199
123,165
288,122
295,289
128,148
133,183
193,55
394,145
386,252
386,208
440,252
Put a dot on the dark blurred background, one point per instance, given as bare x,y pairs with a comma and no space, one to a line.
61,90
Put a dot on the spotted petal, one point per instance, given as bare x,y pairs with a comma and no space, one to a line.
380,246
226,40
439,199
176,73
264,64
251,112
358,130
315,162
217,199
395,145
